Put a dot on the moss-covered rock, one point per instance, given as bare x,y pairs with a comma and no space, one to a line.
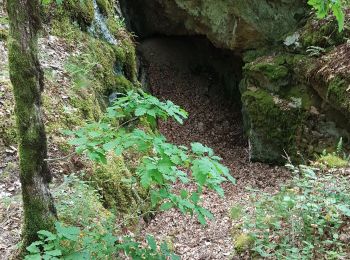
73,210
290,103
323,33
274,105
243,242
272,125
80,11
270,72
329,77
229,24
117,186
105,6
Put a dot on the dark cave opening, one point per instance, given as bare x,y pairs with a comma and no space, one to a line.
202,79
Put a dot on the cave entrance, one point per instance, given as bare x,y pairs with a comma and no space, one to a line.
202,79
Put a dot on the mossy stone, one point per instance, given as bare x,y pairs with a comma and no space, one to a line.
323,33
243,242
271,72
271,124
81,11
114,181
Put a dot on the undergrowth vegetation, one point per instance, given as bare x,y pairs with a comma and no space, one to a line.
162,165
307,219
324,7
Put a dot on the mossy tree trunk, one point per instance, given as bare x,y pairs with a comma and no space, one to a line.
27,80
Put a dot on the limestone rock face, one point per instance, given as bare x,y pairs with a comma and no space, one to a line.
231,24
285,115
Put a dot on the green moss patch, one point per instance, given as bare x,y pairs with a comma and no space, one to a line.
323,33
118,188
272,125
269,72
105,6
243,242
333,161
80,11
78,204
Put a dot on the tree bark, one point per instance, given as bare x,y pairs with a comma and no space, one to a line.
27,81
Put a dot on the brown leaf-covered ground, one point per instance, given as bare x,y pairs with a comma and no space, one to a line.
213,120
216,122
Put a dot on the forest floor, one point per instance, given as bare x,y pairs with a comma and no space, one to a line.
216,122
213,120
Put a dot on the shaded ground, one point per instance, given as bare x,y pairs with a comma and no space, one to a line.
215,121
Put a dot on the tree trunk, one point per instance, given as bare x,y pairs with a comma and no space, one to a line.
27,80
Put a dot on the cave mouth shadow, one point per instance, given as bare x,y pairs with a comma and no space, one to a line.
193,73
200,57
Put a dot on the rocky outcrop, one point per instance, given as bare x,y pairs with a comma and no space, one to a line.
295,105
294,90
234,25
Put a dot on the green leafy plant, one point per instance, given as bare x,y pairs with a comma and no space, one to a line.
163,163
324,7
303,220
72,243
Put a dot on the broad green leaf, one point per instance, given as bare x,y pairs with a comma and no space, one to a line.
55,252
33,248
71,233
47,235
166,206
140,111
151,242
33,257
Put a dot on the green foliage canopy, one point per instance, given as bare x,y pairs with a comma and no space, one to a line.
324,7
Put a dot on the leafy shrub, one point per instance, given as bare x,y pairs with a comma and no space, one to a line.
304,220
163,163
72,243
